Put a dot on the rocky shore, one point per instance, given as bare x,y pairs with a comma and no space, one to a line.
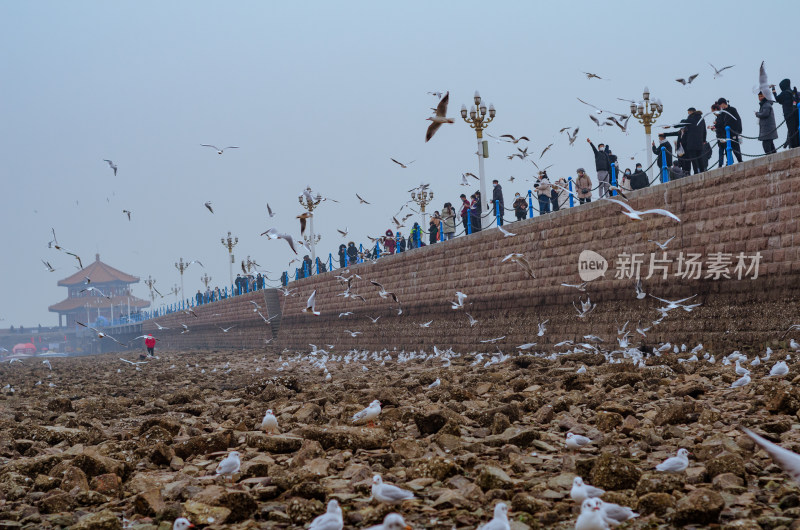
96,443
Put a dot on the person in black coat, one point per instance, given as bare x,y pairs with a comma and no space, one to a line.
639,179
497,196
352,253
663,142
788,99
731,119
602,164
342,255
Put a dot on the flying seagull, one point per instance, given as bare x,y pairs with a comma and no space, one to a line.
718,73
112,165
688,81
49,267
789,461
545,150
514,140
402,165
662,246
128,212
439,118
269,211
362,200
303,216
637,215
217,149
311,305
763,83
208,205
590,75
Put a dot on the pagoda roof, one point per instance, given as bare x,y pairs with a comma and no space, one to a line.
96,302
98,272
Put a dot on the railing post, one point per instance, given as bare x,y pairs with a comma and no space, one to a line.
613,178
377,250
360,253
330,261
441,227
664,170
469,221
728,146
571,197
497,212
530,204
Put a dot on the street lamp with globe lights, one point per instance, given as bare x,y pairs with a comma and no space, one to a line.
646,113
478,121
229,244
423,198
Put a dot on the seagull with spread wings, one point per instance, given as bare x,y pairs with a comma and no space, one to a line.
402,165
687,81
514,140
112,165
217,149
208,205
637,215
439,117
128,212
100,334
362,201
718,72
311,305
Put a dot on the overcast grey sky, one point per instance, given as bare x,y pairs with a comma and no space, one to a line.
316,93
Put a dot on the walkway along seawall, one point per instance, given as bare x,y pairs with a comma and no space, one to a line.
750,208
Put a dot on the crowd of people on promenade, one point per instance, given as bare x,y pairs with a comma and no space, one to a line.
690,153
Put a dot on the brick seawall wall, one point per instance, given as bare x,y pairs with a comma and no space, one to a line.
750,207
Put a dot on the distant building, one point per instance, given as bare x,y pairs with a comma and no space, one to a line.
90,306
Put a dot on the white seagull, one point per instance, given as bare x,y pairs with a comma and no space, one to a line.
393,521
637,215
576,441
270,423
369,414
311,305
388,492
789,461
439,117
217,149
330,520
780,368
675,464
500,519
581,491
112,165
229,465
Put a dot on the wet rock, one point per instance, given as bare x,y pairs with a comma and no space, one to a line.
657,503
785,400
303,510
200,513
608,421
240,504
351,438
274,443
92,463
437,468
491,477
677,413
430,421
149,503
55,501
728,482
701,506
611,472
104,520
657,482
73,477
161,454
407,448
202,445
108,484
60,405
308,413
726,463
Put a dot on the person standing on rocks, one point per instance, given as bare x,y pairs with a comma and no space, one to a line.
767,131
150,344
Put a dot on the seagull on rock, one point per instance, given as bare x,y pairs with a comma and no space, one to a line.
330,520
270,423
500,519
229,465
581,491
393,521
369,414
675,464
576,441
388,492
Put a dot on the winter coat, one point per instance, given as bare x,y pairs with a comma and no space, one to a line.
433,231
520,205
415,238
639,180
766,121
786,98
448,220
732,120
150,342
401,244
657,151
544,187
497,195
601,159
695,131
388,242
352,253
342,256
584,183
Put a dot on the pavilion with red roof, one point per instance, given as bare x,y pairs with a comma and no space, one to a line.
89,306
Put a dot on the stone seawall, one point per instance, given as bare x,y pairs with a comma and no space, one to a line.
752,207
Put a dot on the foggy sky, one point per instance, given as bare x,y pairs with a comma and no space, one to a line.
318,94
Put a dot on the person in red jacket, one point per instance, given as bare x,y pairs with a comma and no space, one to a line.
150,344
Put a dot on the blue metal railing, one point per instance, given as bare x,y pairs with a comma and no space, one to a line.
664,170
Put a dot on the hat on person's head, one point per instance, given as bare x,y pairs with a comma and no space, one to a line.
662,135
720,101
581,170
691,109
